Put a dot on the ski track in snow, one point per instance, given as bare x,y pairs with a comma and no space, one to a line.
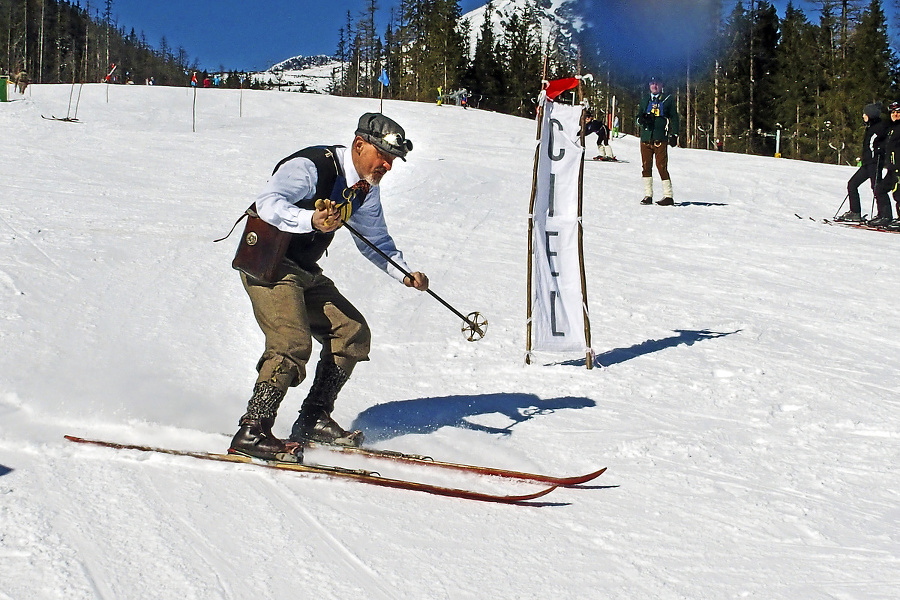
745,395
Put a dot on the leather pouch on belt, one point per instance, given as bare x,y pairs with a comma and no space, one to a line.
261,249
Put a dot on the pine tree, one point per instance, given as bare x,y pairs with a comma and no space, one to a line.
485,76
870,60
735,75
795,83
522,59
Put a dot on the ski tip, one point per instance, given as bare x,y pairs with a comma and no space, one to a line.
527,497
579,479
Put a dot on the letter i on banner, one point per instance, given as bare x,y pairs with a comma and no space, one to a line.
558,319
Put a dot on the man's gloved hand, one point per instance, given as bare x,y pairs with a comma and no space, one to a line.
673,140
646,120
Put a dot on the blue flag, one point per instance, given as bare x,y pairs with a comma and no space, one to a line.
384,78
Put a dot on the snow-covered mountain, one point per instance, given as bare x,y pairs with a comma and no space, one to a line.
302,73
317,73
300,63
555,18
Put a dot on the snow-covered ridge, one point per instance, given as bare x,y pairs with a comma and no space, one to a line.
553,16
316,74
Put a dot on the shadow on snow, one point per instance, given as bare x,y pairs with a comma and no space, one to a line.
426,415
619,355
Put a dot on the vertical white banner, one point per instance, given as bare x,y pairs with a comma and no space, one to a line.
558,322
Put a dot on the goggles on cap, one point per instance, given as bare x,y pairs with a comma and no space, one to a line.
397,140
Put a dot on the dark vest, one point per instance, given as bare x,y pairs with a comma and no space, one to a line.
306,249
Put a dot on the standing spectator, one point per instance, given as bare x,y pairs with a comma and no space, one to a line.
658,122
871,162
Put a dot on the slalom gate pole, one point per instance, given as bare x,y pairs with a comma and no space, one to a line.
194,112
477,327
71,92
78,100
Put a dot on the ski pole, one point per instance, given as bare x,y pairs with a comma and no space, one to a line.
475,324
841,206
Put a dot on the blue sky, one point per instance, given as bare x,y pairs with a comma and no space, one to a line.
245,35
236,34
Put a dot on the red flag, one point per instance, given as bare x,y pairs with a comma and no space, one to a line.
558,86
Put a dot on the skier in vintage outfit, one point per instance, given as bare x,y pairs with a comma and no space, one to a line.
872,160
658,122
308,195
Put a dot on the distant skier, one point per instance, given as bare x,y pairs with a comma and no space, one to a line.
592,125
871,162
890,176
658,122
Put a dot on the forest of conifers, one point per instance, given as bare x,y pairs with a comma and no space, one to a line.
802,75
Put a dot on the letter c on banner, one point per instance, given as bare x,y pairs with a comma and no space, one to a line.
562,151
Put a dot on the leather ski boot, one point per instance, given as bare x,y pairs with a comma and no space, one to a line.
315,423
254,436
667,199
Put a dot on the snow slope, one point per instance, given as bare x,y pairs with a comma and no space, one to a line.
747,408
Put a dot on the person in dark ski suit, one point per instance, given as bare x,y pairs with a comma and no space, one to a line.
889,180
872,160
598,126
658,122
308,196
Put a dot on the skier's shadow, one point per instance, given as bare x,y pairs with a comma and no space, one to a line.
620,355
5,470
700,204
426,415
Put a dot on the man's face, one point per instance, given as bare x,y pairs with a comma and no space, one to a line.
895,115
370,162
655,87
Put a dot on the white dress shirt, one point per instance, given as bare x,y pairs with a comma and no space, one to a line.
296,180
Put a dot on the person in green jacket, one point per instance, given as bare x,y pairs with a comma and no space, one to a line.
657,119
